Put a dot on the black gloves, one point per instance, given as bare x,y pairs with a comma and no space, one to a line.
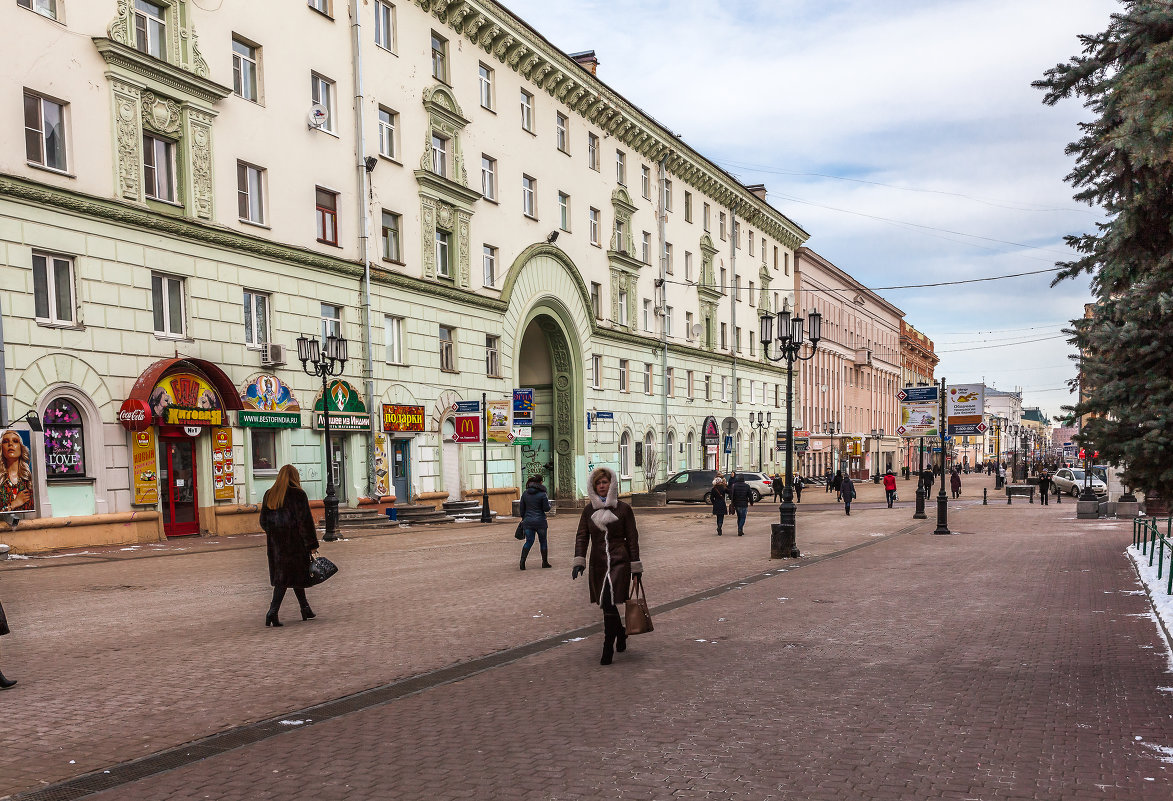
577,571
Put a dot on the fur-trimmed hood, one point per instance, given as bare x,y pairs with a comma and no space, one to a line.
612,493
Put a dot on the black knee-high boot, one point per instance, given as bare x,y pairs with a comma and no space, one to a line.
524,554
306,612
6,683
274,607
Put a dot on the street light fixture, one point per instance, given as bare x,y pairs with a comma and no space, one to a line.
832,430
326,361
877,435
760,426
790,340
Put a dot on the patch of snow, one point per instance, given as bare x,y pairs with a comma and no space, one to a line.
1161,600
575,639
1166,753
292,722
783,599
1165,689
702,640
17,556
131,548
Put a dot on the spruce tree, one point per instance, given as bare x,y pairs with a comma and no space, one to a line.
1124,164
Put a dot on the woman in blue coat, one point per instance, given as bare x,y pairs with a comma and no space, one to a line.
535,502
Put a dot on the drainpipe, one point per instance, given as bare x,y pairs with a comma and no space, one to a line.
733,314
364,234
662,220
3,377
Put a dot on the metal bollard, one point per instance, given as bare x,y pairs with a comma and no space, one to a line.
1009,498
1058,496
985,502
1032,497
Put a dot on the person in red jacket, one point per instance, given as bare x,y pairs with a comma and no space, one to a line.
890,487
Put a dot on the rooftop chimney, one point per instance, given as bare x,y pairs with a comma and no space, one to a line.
759,190
587,60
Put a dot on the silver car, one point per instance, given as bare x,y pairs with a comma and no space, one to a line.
1070,480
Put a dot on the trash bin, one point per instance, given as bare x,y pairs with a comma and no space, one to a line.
392,513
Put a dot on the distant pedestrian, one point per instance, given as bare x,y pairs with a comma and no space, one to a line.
535,502
890,487
798,482
741,498
827,480
1000,481
847,492
837,484
290,540
955,482
1044,486
4,683
607,527
776,485
719,497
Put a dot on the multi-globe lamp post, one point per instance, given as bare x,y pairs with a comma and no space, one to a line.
790,339
759,423
832,430
878,436
326,362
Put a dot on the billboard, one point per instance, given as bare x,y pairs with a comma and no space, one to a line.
16,484
918,419
964,408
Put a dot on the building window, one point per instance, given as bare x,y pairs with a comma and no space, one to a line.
724,388
44,131
158,168
527,111
393,334
150,28
46,8
167,303
646,248
670,381
392,247
594,226
786,262
443,241
256,318
751,238
620,235
486,84
624,386
528,190
668,267
667,195
439,57
705,214
623,307
737,337
647,315
621,167
440,155
65,448
564,211
724,277
689,387
488,177
447,350
708,387
688,206
244,70
264,450
385,25
763,251
752,301
388,124
647,378
250,197
736,234
667,321
645,181
649,449
721,219
320,5
489,256
625,455
688,326
561,135
597,371
492,358
775,257
53,295
326,212
331,321
593,151
687,266
322,93
724,336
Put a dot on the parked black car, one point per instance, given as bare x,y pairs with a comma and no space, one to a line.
688,485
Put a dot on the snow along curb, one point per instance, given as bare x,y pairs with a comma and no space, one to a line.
1159,601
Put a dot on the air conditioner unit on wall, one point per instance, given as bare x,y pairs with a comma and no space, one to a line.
272,354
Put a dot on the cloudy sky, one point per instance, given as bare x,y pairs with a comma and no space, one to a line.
903,135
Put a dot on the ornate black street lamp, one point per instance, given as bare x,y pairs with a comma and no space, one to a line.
759,425
790,341
919,514
832,430
325,362
877,435
942,497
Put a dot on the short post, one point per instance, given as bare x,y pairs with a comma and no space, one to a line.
1058,495
1009,497
1032,497
985,490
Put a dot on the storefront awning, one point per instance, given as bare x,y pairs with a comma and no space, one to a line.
229,396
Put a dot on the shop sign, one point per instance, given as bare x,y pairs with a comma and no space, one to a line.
348,412
16,456
382,474
193,431
142,457
268,393
466,407
223,480
467,429
253,419
135,415
500,430
184,399
403,418
711,434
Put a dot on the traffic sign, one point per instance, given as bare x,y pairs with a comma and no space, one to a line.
467,429
918,394
982,427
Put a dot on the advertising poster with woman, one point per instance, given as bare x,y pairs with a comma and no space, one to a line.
16,478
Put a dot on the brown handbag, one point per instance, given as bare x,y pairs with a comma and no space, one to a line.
637,618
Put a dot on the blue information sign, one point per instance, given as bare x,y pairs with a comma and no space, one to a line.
523,400
467,407
917,394
728,444
604,415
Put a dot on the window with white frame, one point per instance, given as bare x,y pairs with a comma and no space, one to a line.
622,307
150,28
561,132
724,287
649,448
44,131
763,251
439,57
159,168
596,371
647,378
620,235
168,305
751,238
593,217
331,321
388,128
708,387
625,455
752,299
687,206
624,385
724,388
564,211
775,257
489,261
443,247
667,321
488,177
53,293
687,266
485,79
250,192
392,237
393,339
440,155
46,8
527,111
721,220
646,248
528,196
688,326
705,213
689,387
645,181
246,69
724,336
647,307
322,93
320,5
669,268
492,357
447,349
596,300
737,338
326,215
667,195
670,381
385,25
593,151
621,167
256,318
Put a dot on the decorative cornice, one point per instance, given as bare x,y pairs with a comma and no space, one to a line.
129,61
626,263
447,189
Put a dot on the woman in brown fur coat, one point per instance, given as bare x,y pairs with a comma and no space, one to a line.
608,526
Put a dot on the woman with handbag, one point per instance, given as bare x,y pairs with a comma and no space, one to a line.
847,492
4,683
292,543
607,526
719,496
535,502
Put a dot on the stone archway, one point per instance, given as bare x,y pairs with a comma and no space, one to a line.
546,360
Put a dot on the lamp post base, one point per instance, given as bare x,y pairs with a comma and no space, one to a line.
942,515
919,514
330,503
782,534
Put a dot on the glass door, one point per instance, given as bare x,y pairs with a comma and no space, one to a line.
178,484
399,469
338,467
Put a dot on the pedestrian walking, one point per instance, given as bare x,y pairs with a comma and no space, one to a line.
740,498
955,482
607,526
798,482
776,484
1000,481
847,492
290,540
890,487
535,502
837,485
719,497
827,478
1044,486
4,683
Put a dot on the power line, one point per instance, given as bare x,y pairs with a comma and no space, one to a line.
1006,345
734,288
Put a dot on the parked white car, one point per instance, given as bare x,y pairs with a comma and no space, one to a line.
1070,480
760,484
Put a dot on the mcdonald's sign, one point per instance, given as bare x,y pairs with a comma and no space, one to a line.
468,429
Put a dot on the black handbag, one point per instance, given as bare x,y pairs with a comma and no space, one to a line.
321,569
520,532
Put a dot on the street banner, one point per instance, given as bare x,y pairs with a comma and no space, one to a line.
16,457
500,431
965,409
918,419
523,416
918,394
402,418
223,478
145,478
467,429
711,434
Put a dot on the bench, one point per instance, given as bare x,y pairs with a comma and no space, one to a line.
1021,490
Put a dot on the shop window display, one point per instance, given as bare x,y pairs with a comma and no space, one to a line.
64,440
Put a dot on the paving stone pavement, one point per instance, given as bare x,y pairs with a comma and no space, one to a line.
1012,661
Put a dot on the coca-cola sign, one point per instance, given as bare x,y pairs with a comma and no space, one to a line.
135,415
